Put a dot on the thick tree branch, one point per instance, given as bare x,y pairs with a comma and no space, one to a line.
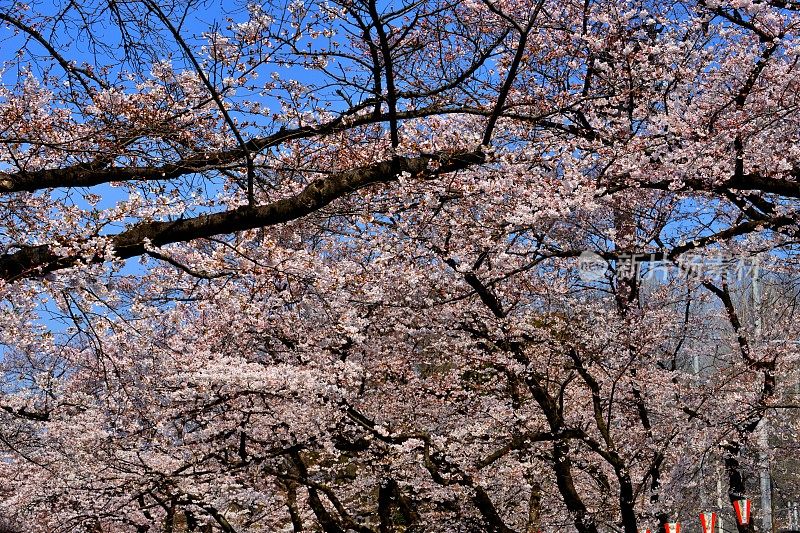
38,260
90,174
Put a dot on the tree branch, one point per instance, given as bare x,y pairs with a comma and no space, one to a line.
37,260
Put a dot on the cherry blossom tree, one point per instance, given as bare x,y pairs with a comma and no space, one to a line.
503,266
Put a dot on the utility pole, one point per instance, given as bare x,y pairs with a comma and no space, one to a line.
719,505
766,482
763,433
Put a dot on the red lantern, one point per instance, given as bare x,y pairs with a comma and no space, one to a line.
742,508
708,521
